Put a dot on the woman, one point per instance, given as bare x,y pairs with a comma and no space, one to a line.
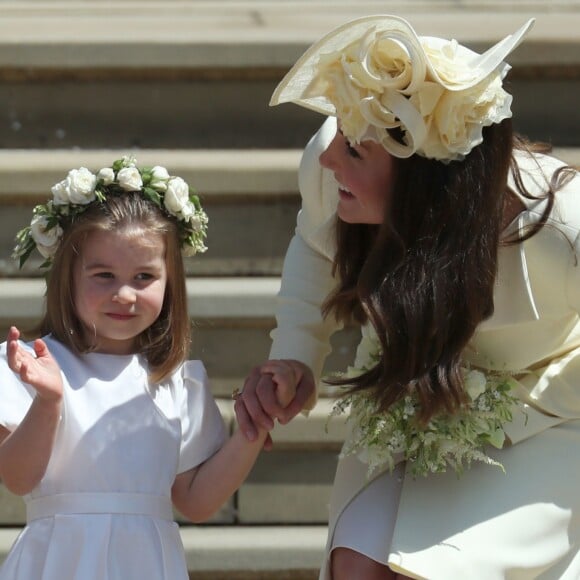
454,244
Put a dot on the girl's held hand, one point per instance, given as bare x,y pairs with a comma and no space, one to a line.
292,379
278,389
285,377
39,370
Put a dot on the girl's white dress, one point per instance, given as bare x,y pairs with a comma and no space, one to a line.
103,509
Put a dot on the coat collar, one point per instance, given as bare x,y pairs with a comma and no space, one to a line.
514,293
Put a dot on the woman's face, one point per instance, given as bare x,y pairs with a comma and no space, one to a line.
365,177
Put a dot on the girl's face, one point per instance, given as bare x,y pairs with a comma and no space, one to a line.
365,175
119,286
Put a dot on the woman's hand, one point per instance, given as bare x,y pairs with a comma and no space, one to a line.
278,389
42,372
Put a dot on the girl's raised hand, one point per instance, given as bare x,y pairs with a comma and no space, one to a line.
40,370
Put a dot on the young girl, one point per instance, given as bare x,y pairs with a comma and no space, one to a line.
103,422
455,245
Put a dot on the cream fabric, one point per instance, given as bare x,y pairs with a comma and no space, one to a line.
295,86
375,73
534,331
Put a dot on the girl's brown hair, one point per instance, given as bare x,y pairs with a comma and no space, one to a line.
424,278
165,344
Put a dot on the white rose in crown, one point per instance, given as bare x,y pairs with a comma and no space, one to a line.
46,239
129,179
176,198
77,188
60,193
187,212
106,175
159,178
197,221
81,186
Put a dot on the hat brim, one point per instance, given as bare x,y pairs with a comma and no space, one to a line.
293,86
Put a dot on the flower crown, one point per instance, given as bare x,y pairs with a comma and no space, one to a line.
74,195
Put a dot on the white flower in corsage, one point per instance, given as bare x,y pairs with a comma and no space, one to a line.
81,188
382,439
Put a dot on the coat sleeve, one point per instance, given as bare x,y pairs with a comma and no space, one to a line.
301,332
552,392
573,282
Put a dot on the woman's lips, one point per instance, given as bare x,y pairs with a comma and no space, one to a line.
344,194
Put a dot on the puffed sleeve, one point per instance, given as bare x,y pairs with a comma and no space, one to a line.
301,332
202,427
15,396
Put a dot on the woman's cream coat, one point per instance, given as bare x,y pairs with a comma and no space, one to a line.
535,332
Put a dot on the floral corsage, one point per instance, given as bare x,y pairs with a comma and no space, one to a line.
385,438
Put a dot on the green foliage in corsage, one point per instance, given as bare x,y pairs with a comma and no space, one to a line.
447,441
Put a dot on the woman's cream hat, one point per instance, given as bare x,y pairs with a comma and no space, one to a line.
379,78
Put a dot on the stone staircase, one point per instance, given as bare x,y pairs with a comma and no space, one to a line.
186,84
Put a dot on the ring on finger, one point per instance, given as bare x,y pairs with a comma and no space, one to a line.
236,393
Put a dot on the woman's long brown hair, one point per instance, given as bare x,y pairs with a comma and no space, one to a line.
425,277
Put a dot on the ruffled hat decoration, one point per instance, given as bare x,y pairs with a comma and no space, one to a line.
412,94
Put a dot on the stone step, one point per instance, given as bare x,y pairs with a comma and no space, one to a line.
170,35
251,198
202,114
240,552
200,74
